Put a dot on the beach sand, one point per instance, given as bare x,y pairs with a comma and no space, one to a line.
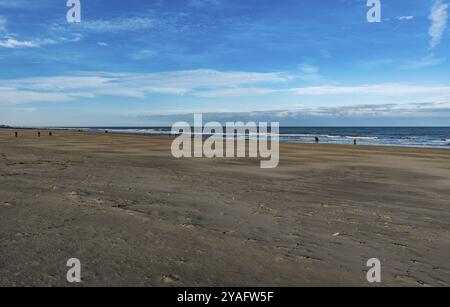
135,216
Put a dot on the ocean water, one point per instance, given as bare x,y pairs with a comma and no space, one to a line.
435,137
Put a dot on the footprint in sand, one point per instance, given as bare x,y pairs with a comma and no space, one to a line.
170,279
73,194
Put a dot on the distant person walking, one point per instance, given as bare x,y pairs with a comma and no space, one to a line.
317,140
39,134
50,133
16,134
355,142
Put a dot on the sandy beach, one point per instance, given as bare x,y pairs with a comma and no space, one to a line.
136,216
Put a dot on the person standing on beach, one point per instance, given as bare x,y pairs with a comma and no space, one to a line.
50,133
317,140
39,134
16,134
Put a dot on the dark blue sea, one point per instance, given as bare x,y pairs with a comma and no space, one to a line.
436,137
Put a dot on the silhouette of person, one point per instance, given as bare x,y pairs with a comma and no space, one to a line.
16,134
39,134
317,140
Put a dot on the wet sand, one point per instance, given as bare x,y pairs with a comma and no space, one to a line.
135,216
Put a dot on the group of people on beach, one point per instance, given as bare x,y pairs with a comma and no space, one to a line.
16,134
317,140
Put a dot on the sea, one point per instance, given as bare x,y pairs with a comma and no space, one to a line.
432,137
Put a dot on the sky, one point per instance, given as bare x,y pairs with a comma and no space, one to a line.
298,62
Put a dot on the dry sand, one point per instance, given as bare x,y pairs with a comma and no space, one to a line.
135,216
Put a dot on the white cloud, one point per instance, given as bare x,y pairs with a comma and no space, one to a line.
427,61
143,54
203,3
58,83
200,83
392,110
26,110
388,110
112,25
405,18
136,85
202,79
438,17
10,42
168,90
15,96
309,73
14,4
379,89
236,92
103,44
13,43
3,22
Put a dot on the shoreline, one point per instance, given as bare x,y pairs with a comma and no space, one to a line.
167,136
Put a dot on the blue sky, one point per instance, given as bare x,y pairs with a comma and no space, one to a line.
300,62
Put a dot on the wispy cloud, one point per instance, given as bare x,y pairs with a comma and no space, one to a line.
208,83
378,89
15,96
108,25
236,92
405,17
438,17
203,3
286,116
14,4
3,22
143,54
385,110
13,43
427,61
195,83
26,110
309,72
